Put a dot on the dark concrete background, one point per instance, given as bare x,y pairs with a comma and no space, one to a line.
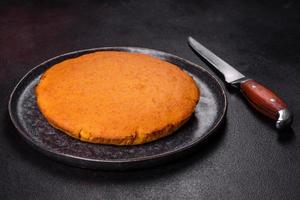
248,159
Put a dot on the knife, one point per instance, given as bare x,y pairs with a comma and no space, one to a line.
260,97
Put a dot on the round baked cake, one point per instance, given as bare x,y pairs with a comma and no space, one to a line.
117,98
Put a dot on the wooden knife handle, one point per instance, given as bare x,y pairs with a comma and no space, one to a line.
267,102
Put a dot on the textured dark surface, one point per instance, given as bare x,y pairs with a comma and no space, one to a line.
248,159
34,128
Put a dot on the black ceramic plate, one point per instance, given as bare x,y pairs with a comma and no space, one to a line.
34,128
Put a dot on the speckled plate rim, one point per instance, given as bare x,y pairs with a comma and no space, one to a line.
71,159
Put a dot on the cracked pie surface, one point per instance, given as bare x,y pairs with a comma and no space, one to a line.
117,98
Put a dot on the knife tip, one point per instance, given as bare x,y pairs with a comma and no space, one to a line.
190,39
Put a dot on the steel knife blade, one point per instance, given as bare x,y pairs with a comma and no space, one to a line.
231,75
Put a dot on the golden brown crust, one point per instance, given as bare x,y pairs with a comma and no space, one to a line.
116,97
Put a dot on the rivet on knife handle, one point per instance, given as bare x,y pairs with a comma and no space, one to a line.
267,102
